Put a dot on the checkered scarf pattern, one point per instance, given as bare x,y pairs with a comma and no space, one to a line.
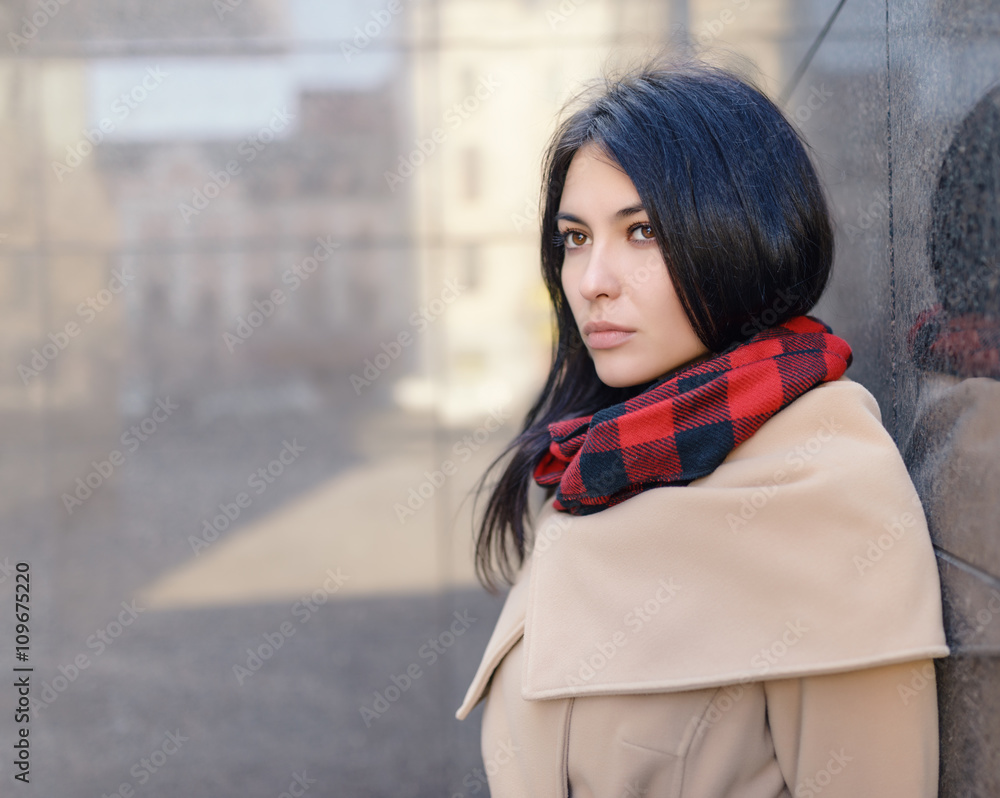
685,425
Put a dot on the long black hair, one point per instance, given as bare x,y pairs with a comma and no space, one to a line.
740,218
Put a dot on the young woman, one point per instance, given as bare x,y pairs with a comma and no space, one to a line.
723,583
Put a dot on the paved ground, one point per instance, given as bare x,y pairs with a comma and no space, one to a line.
298,713
159,706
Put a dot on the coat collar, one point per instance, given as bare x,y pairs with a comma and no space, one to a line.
805,552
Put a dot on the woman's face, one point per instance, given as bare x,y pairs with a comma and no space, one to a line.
628,313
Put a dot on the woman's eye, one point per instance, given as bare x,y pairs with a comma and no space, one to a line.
645,232
574,238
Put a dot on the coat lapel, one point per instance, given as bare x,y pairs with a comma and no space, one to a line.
508,630
805,552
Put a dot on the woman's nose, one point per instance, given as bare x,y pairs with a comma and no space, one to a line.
600,276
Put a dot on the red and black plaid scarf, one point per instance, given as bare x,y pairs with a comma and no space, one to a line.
685,425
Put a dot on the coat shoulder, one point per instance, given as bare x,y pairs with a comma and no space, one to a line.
805,552
808,540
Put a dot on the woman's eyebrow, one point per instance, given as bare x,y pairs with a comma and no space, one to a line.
631,210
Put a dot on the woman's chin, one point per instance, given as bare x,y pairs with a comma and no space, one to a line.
616,371
620,375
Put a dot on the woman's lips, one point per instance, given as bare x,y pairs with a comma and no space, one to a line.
605,339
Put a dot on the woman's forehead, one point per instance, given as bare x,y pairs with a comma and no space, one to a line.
594,182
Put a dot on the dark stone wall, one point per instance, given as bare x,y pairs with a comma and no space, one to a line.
907,137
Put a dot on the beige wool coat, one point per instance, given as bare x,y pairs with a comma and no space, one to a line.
767,630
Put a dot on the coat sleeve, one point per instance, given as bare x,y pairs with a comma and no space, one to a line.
866,732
